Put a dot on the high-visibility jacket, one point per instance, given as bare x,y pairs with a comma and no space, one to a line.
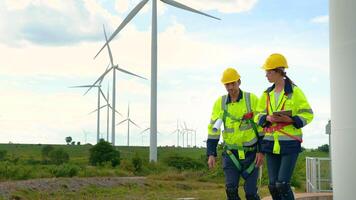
291,98
237,130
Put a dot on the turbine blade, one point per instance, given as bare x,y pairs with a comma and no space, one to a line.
96,109
102,94
83,86
101,77
134,123
129,17
109,49
121,122
144,130
115,110
104,72
127,72
184,7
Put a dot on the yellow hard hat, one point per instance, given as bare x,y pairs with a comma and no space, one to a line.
230,75
274,61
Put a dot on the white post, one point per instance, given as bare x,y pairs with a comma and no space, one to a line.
153,127
343,96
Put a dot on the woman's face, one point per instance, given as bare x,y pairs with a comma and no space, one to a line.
273,76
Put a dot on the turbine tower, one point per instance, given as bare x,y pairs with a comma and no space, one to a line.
153,117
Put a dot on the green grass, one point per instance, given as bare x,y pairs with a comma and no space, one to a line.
163,182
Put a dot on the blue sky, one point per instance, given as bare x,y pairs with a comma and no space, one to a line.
48,46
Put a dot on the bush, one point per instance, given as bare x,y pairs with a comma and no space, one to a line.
137,163
9,171
103,152
58,156
3,155
183,163
65,170
45,151
324,148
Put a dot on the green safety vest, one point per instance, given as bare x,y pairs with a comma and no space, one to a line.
238,132
296,102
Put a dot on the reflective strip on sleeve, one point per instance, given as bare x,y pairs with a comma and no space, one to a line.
305,111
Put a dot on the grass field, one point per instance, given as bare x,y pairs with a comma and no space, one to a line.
23,162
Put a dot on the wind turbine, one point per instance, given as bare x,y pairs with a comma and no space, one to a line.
188,131
113,68
153,124
108,106
85,136
128,124
142,132
178,132
100,92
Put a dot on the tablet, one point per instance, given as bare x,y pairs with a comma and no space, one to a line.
283,112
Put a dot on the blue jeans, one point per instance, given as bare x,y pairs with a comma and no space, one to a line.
280,170
232,174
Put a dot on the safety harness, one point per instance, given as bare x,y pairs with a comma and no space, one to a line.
278,128
245,173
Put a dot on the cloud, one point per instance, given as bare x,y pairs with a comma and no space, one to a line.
68,22
52,22
224,6
320,19
122,6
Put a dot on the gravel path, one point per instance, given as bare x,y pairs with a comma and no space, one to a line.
74,184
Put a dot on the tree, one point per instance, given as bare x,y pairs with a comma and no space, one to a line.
78,143
104,152
68,140
3,154
324,148
58,156
72,143
45,151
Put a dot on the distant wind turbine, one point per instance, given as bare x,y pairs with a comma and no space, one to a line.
128,124
178,131
153,134
100,93
113,68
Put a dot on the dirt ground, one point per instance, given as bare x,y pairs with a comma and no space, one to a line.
73,184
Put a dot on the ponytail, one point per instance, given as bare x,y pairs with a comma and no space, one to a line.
288,79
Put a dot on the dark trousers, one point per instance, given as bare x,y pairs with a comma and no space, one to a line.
280,170
232,174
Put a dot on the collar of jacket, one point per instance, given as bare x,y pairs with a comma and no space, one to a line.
288,88
238,98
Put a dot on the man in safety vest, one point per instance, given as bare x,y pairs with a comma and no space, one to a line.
241,156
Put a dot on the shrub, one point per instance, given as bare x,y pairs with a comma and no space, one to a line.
103,152
65,170
45,151
183,163
9,171
58,156
137,163
3,155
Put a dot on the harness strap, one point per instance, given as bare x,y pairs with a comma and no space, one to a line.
278,128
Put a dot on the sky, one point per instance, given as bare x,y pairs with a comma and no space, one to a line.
48,46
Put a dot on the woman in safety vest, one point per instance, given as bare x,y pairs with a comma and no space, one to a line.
241,156
282,111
